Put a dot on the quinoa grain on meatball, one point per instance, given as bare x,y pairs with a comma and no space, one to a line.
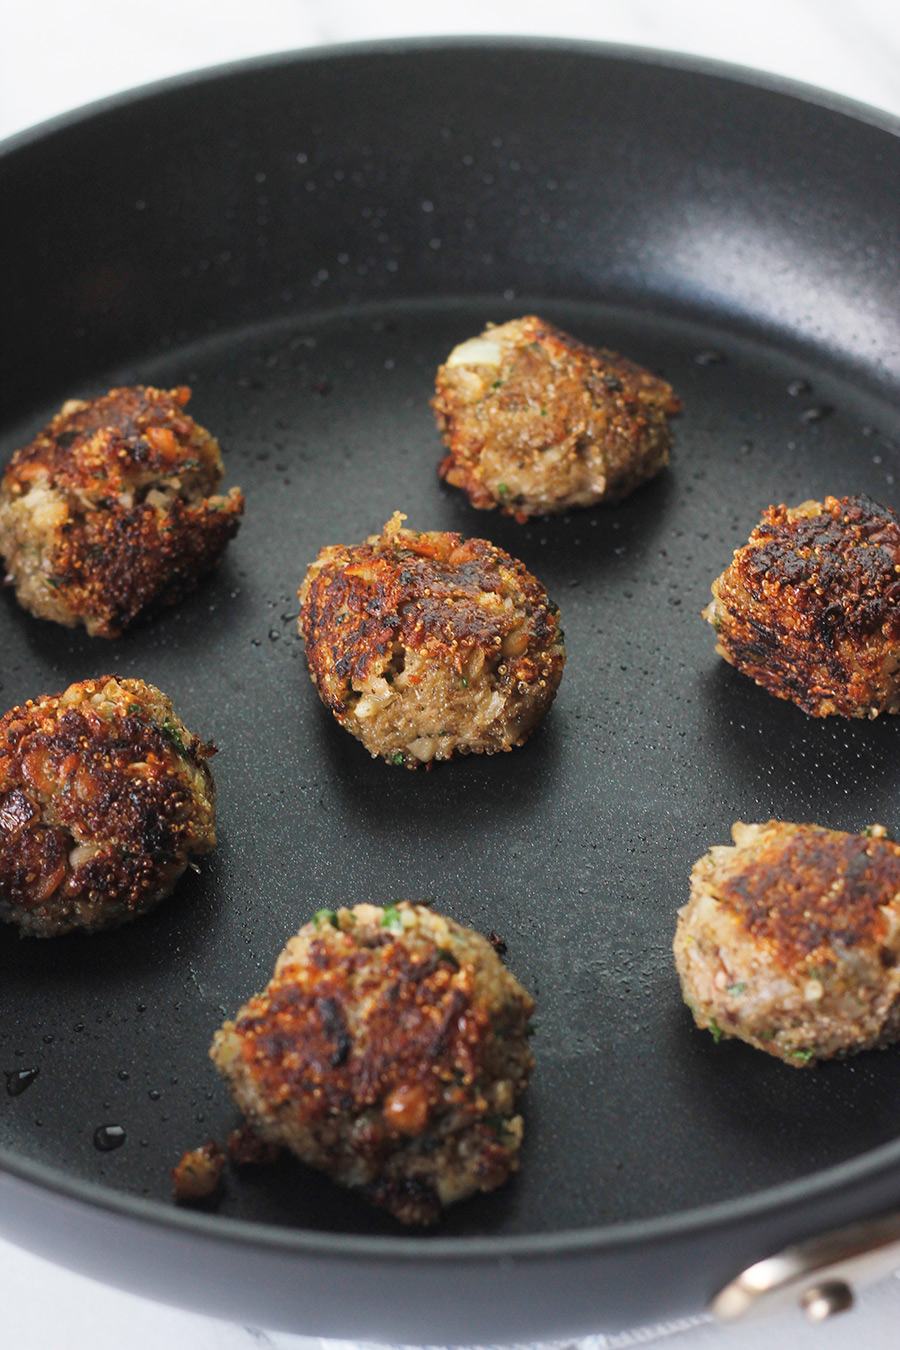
105,796
427,646
810,607
112,508
537,422
791,940
388,1050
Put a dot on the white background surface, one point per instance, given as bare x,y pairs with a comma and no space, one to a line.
56,55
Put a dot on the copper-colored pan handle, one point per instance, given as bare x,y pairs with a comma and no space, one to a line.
821,1275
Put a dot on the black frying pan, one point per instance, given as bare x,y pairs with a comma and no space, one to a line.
302,239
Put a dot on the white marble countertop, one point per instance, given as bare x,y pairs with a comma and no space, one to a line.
55,56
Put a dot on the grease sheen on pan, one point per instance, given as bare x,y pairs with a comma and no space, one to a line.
427,646
388,1050
791,940
810,607
112,508
537,422
105,797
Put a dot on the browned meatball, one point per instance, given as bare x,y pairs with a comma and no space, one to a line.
104,798
810,607
111,509
537,422
791,940
388,1050
427,646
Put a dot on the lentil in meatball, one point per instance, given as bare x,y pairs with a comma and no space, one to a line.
810,607
427,646
112,508
105,796
537,422
791,940
388,1050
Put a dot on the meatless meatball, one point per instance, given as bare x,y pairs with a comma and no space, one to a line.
111,509
388,1050
538,422
427,646
810,607
104,798
791,940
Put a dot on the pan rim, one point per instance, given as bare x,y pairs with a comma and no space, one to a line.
616,51
598,1238
825,1183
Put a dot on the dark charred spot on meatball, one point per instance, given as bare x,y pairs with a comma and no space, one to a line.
810,607
844,562
95,445
414,592
421,1031
411,1199
247,1149
95,810
134,479
811,891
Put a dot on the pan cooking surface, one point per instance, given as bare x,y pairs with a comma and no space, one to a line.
576,848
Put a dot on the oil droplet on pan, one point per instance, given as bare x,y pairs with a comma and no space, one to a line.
108,1137
17,1080
817,413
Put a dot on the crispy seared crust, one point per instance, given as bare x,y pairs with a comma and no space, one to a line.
104,797
791,940
810,607
548,423
388,1051
111,509
431,641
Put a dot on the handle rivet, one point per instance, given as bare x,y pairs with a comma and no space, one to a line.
826,1299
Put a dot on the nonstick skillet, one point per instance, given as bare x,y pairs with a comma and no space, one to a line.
301,240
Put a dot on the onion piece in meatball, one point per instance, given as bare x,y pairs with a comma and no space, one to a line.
388,1050
537,422
112,509
105,797
791,940
810,607
428,646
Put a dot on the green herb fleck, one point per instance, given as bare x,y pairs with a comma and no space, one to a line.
503,488
543,412
767,1035
464,682
133,708
172,734
716,1030
398,758
496,384
804,1056
52,583
531,1028
392,918
325,916
446,955
735,989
